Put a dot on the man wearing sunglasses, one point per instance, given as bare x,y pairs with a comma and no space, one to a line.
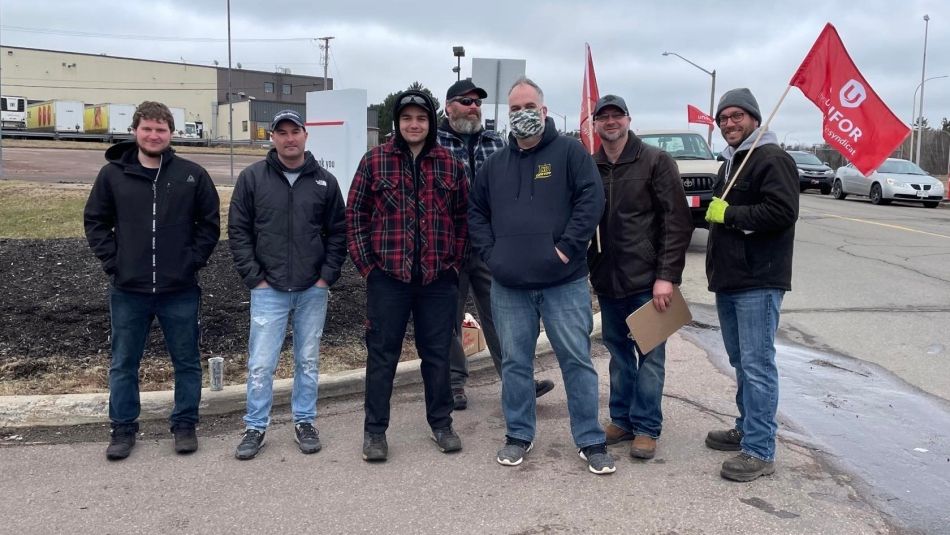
644,234
534,207
749,267
406,233
461,132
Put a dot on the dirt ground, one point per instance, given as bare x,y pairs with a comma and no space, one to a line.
54,321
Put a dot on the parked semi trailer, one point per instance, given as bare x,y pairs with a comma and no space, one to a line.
13,112
55,116
108,118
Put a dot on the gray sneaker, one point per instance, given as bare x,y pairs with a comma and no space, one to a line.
375,447
513,452
598,460
727,440
251,444
744,467
447,439
307,437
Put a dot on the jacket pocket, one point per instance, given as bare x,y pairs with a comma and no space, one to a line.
386,195
525,259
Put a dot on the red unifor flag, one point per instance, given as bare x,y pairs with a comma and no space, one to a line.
696,115
590,96
857,123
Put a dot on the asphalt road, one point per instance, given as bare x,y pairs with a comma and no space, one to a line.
82,165
869,282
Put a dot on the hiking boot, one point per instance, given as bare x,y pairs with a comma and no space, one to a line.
121,441
251,444
460,399
307,437
513,452
186,441
375,447
643,447
598,460
616,434
728,440
744,467
542,387
447,439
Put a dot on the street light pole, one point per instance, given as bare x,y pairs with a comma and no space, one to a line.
920,112
562,117
913,114
459,53
712,92
230,107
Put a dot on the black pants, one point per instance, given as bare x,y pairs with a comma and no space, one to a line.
389,303
475,277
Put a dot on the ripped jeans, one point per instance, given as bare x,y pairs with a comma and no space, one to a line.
270,310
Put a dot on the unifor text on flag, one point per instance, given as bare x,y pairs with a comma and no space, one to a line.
857,123
696,115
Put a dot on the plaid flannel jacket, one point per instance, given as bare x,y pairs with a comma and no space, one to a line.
488,142
381,213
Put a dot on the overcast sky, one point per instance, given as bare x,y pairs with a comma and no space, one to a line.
385,46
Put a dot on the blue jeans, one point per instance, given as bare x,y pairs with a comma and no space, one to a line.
749,320
132,315
568,322
636,385
270,310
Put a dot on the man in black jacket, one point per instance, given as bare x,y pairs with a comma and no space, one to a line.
639,256
749,266
152,220
288,237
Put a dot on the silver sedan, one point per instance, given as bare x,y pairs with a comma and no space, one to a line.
895,180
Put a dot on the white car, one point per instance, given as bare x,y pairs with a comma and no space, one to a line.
895,180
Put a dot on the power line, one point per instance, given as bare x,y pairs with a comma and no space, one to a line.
76,33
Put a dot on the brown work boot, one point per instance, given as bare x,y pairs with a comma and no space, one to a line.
643,447
616,434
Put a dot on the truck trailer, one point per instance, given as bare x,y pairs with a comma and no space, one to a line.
178,114
55,116
108,118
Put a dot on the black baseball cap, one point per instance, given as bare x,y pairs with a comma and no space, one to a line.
611,100
287,115
462,87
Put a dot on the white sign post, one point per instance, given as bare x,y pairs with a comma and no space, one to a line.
496,76
336,124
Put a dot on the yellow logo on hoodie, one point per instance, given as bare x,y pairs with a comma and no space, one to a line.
544,171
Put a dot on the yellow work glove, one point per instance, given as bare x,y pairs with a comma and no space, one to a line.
716,213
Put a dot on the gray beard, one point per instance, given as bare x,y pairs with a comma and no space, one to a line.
465,126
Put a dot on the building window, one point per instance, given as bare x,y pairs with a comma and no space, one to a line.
268,87
285,89
243,126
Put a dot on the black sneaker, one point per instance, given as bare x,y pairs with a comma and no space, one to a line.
728,440
542,387
251,444
744,467
307,437
375,448
513,452
460,399
598,460
186,441
121,441
447,439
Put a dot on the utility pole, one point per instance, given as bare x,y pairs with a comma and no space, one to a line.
326,58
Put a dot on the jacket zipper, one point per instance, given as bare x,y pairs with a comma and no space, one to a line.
154,223
290,232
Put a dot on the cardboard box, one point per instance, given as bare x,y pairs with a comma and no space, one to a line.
473,339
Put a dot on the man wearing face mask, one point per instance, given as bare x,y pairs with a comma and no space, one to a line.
534,206
749,267
462,134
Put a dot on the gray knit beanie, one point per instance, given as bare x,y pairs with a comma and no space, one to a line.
740,98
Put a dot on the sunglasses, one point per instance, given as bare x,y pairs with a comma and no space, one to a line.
736,117
466,101
414,99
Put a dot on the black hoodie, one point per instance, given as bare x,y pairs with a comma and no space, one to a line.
524,203
290,236
152,236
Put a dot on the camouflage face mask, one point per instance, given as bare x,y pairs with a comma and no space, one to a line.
525,123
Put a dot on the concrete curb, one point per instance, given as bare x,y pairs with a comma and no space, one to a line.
75,409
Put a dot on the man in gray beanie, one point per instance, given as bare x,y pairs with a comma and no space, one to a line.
749,267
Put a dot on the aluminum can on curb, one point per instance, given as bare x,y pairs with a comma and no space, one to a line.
216,372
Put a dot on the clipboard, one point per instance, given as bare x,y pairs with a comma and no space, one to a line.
650,327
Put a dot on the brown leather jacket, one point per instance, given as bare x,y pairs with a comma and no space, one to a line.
646,226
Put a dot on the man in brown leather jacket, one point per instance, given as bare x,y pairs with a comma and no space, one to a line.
639,256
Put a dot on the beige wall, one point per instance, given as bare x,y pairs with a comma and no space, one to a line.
242,112
47,75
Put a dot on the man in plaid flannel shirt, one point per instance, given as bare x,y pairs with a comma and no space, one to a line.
406,233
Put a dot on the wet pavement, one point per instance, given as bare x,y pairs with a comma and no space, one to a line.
892,437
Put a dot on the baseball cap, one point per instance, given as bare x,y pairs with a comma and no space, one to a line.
611,100
287,115
462,87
